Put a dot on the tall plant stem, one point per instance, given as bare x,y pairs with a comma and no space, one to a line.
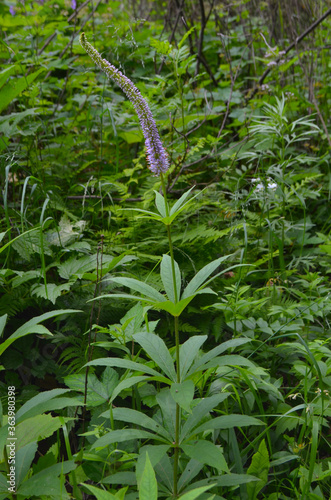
176,454
177,424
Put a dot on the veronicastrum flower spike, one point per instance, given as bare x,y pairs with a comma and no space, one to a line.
156,154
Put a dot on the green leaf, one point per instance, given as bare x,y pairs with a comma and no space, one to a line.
46,482
155,347
155,453
50,292
6,73
167,278
160,204
98,493
123,363
200,411
228,422
97,392
168,409
192,469
199,364
183,394
188,352
3,320
181,201
33,326
121,435
259,468
201,276
37,428
14,88
51,405
120,477
126,383
19,237
37,400
23,460
137,418
208,453
140,286
171,308
148,484
193,494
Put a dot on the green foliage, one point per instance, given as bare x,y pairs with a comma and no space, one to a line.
199,364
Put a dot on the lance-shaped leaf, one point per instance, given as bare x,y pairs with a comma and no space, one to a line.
200,278
138,418
227,422
188,352
158,352
183,394
167,278
160,204
180,203
129,382
33,326
148,483
120,435
200,363
123,363
207,453
200,411
141,287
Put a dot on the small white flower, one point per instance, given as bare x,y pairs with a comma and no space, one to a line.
271,63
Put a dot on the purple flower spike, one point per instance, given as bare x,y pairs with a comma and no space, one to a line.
12,10
73,4
156,154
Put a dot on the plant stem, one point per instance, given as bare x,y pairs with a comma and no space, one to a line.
177,424
176,454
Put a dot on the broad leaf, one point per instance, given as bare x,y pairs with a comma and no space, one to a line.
97,391
37,428
47,482
167,278
15,87
207,453
183,394
158,352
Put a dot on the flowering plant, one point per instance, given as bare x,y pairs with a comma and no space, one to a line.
156,154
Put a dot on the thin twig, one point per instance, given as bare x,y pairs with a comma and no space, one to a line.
289,48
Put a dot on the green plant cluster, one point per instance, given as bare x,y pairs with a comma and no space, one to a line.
165,336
